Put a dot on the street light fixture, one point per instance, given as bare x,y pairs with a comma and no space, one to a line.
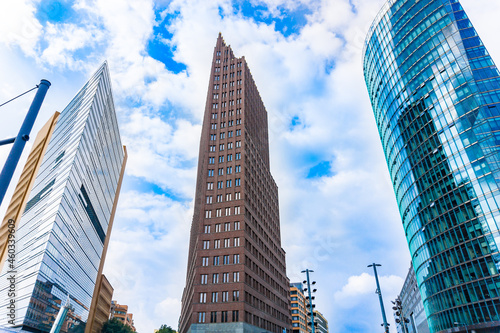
379,292
310,298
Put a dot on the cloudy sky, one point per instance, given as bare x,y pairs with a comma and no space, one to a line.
338,211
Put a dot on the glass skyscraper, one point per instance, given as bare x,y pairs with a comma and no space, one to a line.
63,232
435,93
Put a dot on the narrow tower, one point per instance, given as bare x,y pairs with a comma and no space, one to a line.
64,230
236,275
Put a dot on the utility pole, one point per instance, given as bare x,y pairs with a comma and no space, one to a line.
379,292
22,137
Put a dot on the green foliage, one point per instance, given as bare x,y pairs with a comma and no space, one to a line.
166,329
115,326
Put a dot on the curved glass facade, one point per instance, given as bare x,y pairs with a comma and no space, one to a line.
435,93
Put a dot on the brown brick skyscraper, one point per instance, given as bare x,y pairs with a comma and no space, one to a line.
236,275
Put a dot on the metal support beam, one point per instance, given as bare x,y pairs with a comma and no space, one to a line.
22,137
7,141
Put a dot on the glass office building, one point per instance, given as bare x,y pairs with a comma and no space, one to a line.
435,93
62,233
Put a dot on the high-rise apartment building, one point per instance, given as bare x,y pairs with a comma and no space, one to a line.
236,276
435,93
300,315
320,322
62,236
411,307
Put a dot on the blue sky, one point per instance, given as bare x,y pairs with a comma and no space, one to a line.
337,208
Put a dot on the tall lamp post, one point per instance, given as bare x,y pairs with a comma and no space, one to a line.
379,292
311,306
22,137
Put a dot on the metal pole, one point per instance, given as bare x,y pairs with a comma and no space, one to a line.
379,292
310,301
22,137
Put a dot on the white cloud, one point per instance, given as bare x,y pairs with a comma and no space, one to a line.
18,25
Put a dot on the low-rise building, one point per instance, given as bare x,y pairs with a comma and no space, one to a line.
121,313
298,309
321,322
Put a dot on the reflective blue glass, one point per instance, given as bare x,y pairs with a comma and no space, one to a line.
61,234
435,93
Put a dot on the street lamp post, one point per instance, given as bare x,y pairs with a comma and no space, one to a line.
462,324
379,292
307,271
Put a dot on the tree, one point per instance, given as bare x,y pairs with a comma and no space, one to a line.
115,326
166,329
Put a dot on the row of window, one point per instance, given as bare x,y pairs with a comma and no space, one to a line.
230,93
218,227
213,316
227,243
215,278
226,76
224,114
216,262
225,85
218,212
237,157
219,197
222,146
226,104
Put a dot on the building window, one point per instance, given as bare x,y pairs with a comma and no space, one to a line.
230,157
228,211
221,172
204,278
236,315
215,297
229,170
227,242
237,196
236,258
238,132
230,145
237,169
213,317
237,210
223,124
223,318
212,148
217,244
236,241
238,144
216,261
227,226
203,297
225,296
229,182
213,126
218,212
220,184
230,123
207,229
238,156
211,160
209,199
204,261
206,245
226,260
219,197
225,279
236,277
236,295
230,134
228,196
217,227
213,137
238,121
210,172
237,182
221,147
215,278
221,159
201,317
210,186
208,214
